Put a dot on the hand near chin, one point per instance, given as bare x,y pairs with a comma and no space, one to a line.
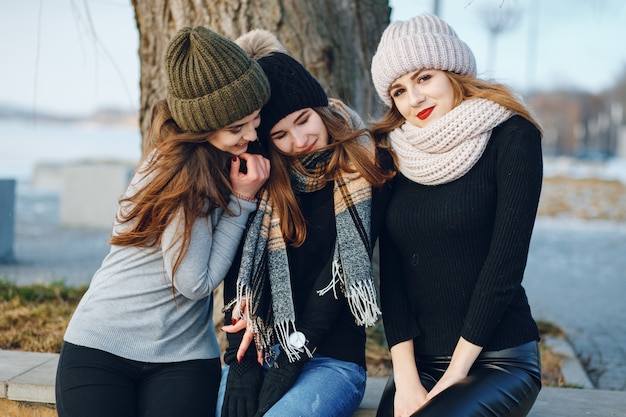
247,184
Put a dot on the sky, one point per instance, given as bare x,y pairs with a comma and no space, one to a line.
62,57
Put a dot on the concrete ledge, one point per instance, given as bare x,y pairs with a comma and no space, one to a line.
552,402
572,402
28,376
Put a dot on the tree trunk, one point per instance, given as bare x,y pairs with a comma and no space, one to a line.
334,40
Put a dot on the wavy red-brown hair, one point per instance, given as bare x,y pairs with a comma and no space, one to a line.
348,155
183,172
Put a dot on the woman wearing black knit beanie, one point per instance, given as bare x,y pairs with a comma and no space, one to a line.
142,342
457,231
305,273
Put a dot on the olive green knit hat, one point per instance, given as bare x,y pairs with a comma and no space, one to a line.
211,81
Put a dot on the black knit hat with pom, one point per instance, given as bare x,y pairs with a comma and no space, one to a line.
292,88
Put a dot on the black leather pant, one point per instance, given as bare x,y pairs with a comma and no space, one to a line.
502,383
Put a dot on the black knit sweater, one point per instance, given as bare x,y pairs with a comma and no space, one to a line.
453,255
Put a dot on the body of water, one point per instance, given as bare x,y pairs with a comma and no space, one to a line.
25,144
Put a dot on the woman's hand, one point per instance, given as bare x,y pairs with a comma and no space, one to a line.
448,379
257,172
410,393
240,322
463,357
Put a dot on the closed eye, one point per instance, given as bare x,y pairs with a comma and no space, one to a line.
278,135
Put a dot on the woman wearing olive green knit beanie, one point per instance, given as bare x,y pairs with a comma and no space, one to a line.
142,340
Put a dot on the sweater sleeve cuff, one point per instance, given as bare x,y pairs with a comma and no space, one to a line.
239,204
399,334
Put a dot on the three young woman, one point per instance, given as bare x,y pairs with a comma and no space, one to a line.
306,274
142,340
457,230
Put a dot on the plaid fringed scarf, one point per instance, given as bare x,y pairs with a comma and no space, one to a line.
264,278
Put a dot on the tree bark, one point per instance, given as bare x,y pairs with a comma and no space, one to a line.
334,39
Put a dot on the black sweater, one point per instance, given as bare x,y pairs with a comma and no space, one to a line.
453,255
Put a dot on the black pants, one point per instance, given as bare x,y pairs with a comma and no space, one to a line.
503,383
95,383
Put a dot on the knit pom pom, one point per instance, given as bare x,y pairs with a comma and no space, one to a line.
259,43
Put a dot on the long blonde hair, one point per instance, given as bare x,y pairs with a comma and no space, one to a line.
465,88
185,173
348,155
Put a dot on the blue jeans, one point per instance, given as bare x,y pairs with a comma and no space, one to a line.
326,388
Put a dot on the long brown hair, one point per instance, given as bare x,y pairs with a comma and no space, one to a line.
348,155
465,88
182,172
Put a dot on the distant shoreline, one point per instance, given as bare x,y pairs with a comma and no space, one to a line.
102,117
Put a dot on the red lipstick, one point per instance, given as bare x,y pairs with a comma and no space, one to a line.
425,113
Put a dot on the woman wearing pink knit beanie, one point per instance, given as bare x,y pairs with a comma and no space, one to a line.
462,338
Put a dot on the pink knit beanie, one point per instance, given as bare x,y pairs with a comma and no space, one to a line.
424,42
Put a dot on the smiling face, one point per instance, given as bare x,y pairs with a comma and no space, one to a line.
299,133
235,137
423,96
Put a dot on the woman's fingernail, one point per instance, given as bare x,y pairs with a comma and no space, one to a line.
234,158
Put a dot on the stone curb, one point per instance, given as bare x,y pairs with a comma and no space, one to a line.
573,372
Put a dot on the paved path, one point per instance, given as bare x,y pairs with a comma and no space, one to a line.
45,251
576,276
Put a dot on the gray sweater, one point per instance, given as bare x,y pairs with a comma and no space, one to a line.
129,308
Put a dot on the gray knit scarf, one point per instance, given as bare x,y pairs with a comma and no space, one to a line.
264,279
448,148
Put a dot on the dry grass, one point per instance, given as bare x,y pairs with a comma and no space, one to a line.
33,318
585,198
18,409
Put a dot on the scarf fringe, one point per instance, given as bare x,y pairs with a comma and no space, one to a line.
362,301
361,296
283,330
337,278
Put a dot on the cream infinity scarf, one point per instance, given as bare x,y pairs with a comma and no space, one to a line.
448,148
